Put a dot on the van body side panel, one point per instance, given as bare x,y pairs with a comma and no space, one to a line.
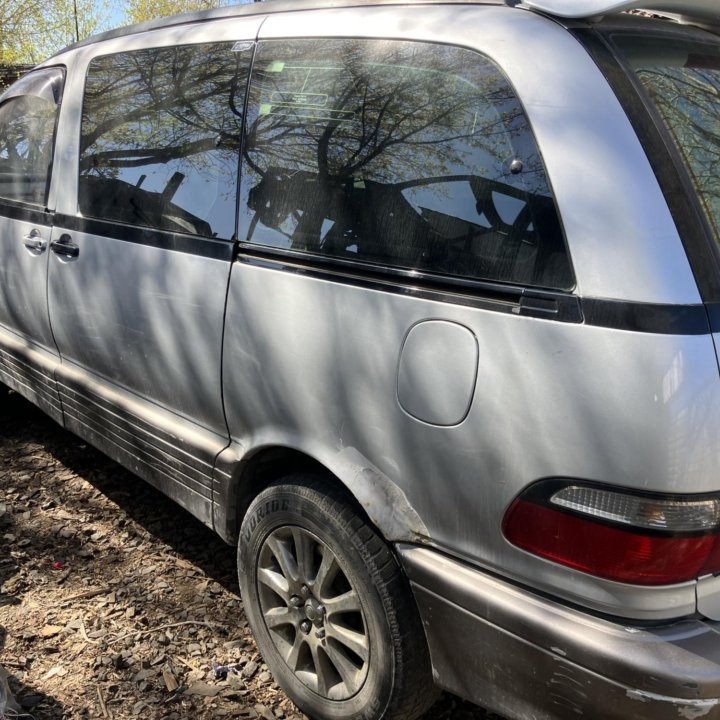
552,399
138,313
23,277
547,398
147,319
28,121
28,354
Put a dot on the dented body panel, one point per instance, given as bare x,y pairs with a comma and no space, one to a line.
530,657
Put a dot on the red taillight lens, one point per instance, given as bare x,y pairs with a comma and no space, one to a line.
631,538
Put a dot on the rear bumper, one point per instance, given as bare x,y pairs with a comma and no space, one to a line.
522,655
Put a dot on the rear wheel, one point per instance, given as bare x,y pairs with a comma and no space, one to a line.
329,606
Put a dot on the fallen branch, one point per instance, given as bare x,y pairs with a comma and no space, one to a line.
84,595
104,709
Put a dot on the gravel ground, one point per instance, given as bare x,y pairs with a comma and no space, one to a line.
115,602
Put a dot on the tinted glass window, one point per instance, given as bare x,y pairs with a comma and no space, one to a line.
28,111
682,79
161,136
398,154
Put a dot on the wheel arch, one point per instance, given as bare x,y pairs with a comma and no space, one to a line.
240,478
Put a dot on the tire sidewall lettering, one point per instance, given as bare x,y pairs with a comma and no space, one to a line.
263,511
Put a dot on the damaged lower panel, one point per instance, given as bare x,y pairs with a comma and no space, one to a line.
522,655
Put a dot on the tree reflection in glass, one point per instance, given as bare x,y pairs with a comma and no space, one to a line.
161,136
398,154
682,79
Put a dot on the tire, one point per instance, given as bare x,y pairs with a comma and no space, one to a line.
330,608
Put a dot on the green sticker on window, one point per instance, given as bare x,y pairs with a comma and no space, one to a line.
265,108
276,66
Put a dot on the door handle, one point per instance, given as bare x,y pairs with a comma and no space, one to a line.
65,246
33,241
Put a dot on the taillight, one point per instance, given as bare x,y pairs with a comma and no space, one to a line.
622,535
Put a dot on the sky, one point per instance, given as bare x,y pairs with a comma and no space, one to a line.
117,10
117,16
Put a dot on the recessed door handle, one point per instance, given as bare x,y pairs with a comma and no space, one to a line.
33,241
65,246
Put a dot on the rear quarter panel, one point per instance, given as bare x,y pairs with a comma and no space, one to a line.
313,364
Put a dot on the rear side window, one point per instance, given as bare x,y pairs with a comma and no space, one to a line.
160,137
399,154
682,80
28,116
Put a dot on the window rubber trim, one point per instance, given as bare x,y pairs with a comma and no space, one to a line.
25,212
213,248
530,302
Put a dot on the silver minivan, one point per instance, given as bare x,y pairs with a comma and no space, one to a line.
418,303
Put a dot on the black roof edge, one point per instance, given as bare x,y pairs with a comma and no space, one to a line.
259,8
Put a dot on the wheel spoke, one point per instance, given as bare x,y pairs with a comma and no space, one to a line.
275,581
327,571
294,654
282,554
278,616
349,673
304,547
323,680
357,642
347,602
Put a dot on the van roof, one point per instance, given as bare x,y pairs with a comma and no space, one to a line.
681,9
262,8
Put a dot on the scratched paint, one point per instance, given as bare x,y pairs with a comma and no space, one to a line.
688,709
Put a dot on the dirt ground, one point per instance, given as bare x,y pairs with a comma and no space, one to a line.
115,602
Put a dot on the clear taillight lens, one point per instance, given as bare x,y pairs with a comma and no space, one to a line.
685,515
626,536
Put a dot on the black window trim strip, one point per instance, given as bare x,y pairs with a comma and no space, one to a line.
25,212
523,301
656,318
651,318
457,291
212,248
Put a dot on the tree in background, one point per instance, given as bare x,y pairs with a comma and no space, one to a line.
17,19
30,30
141,10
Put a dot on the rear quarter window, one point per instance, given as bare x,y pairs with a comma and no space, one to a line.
398,154
681,78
